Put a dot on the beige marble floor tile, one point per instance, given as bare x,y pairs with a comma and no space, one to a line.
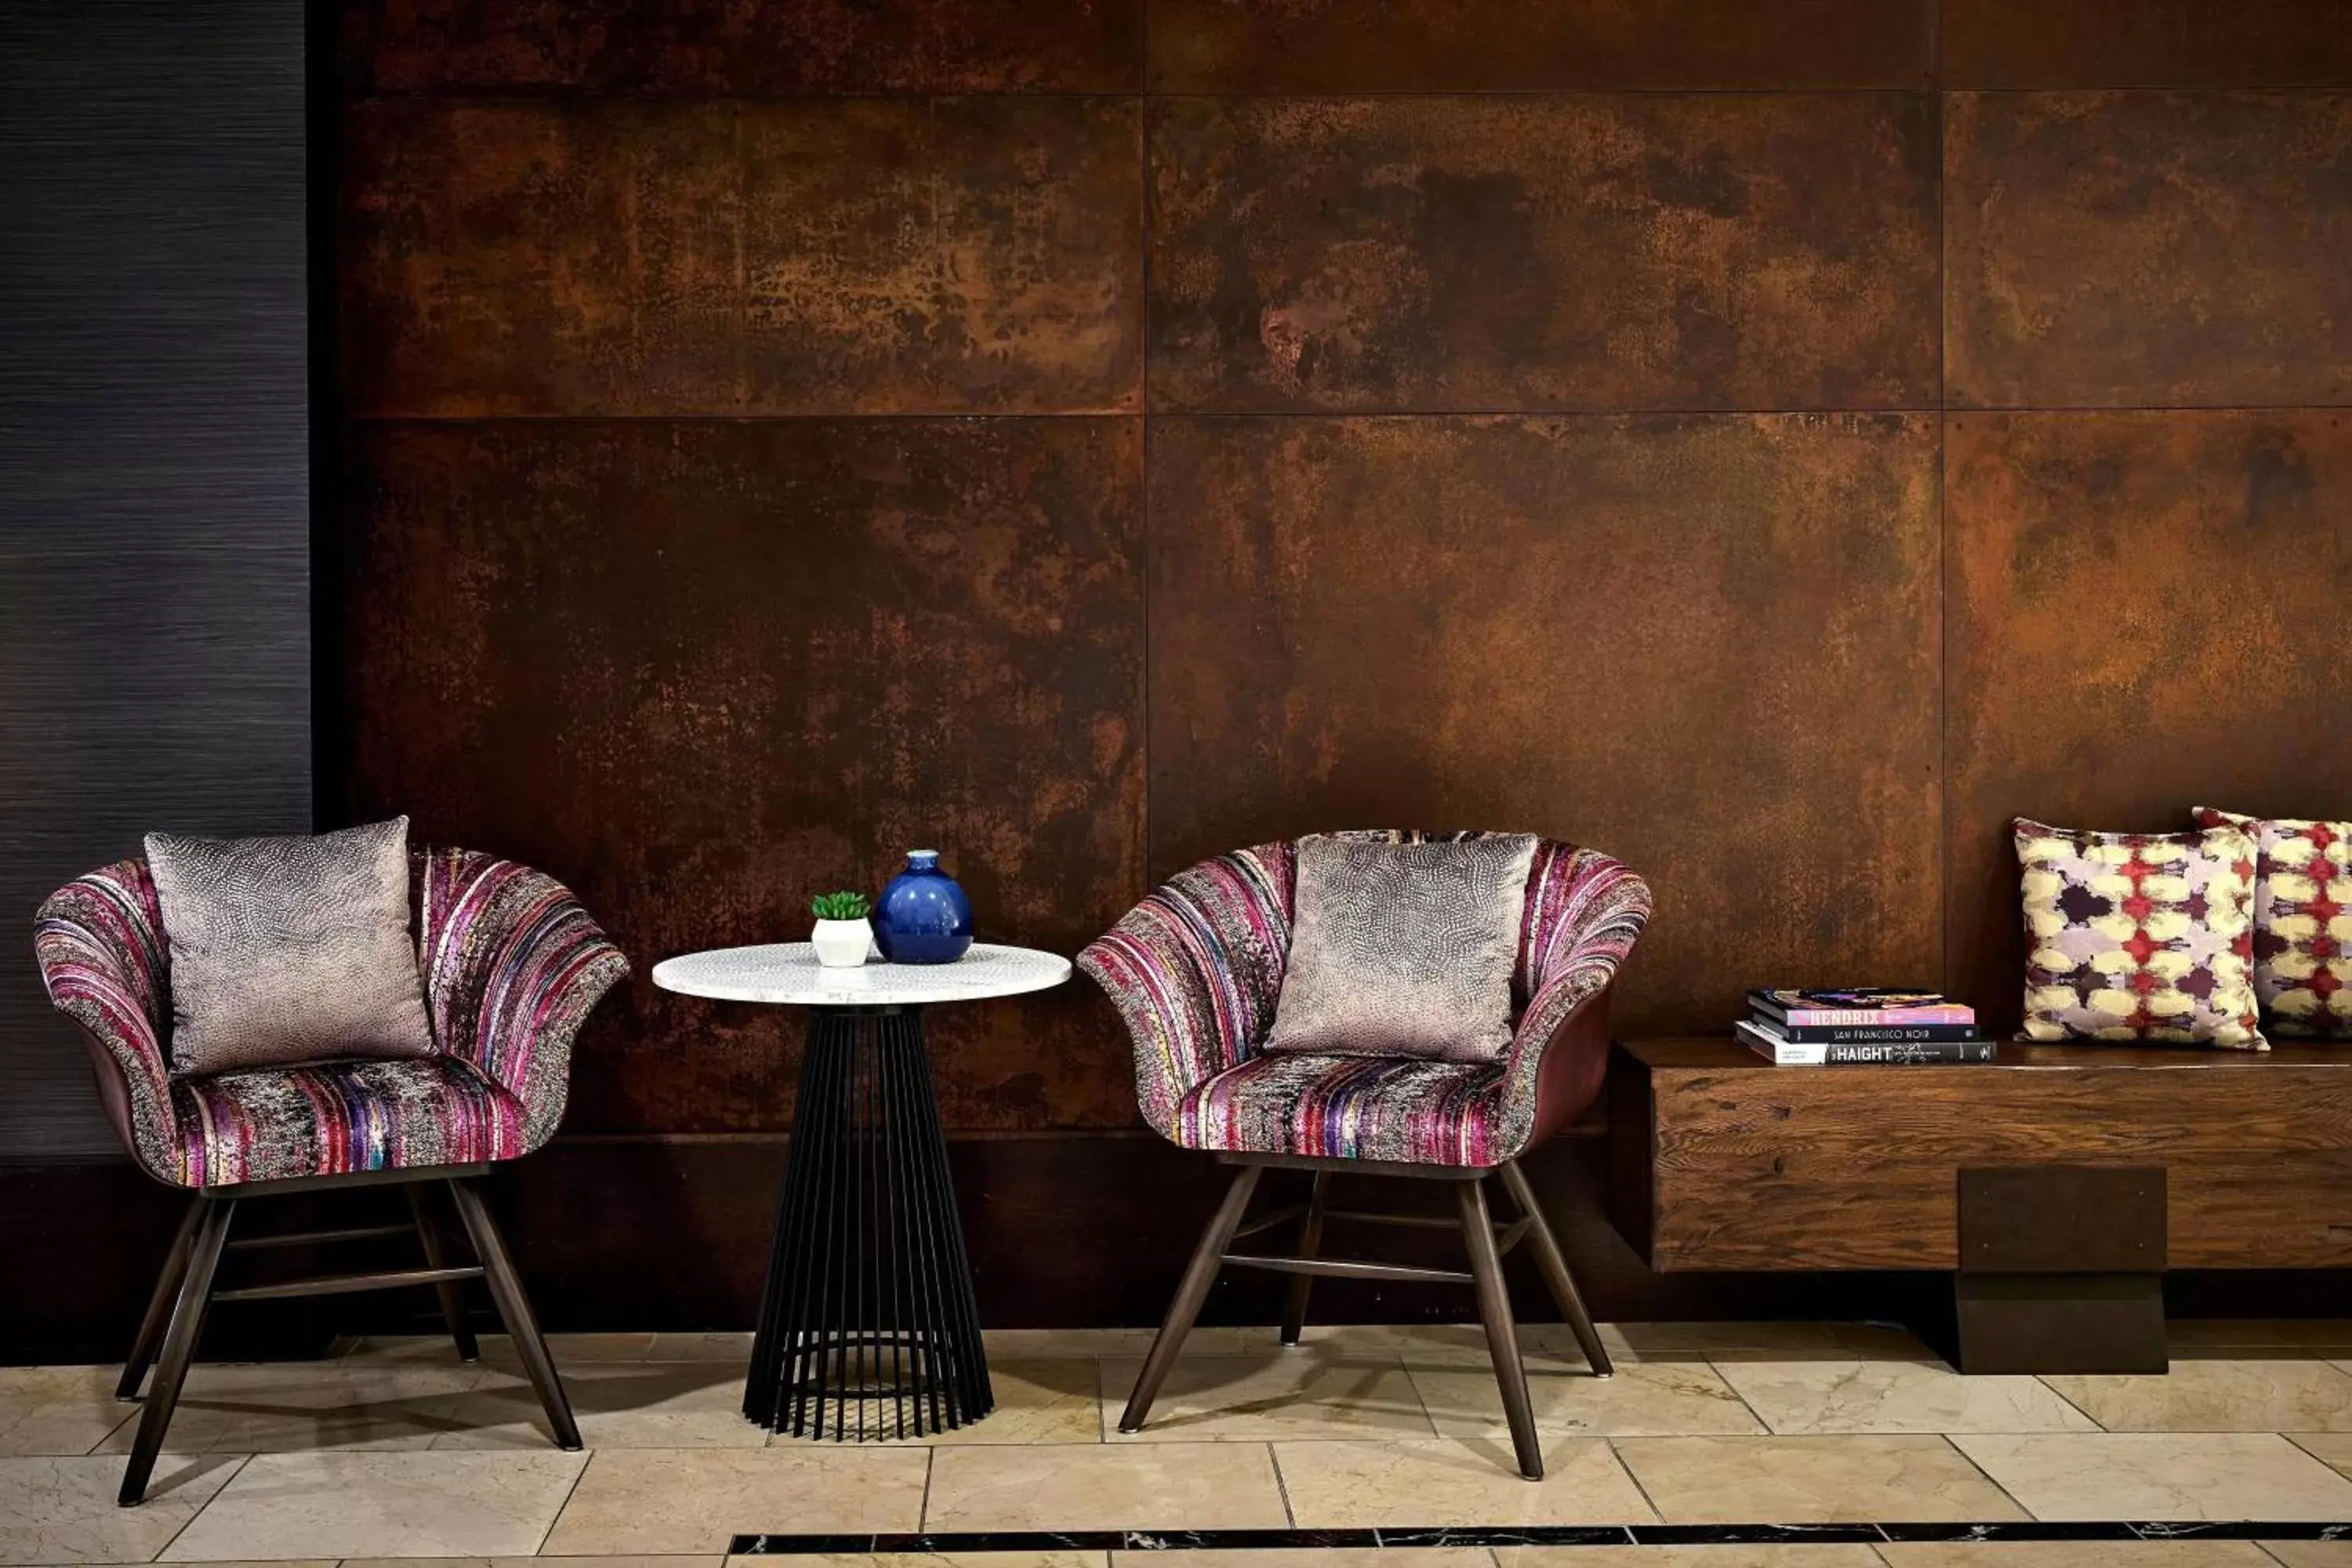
429,1348
2260,1333
2311,1553
1445,1482
58,1409
1037,1401
1150,1486
1432,1345
2219,1395
1077,1344
922,1559
1768,1341
717,1346
655,1501
1311,1557
705,1560
2332,1449
2160,1475
1826,1395
619,1405
2076,1554
1654,1397
1278,1393
333,1562
1449,1345
383,1505
62,1508
1812,1479
300,1406
1773,1555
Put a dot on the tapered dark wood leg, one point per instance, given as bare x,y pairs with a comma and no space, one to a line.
514,1309
1199,1275
1310,1241
1502,1332
1553,1264
159,1305
453,1305
213,1215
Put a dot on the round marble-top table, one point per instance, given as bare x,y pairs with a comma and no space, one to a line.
868,1326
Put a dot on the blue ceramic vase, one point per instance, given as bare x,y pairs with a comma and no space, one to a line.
923,917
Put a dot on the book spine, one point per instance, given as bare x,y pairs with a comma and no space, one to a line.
1950,1053
1862,1018
1877,1034
1931,1053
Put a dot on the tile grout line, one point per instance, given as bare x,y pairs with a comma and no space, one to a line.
1971,1461
1420,1396
1281,1485
239,1469
588,1458
1657,1515
930,1463
2075,1405
1746,1404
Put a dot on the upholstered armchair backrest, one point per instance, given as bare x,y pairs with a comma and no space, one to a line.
511,965
1196,969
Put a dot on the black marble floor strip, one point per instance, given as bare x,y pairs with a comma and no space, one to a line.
1527,1535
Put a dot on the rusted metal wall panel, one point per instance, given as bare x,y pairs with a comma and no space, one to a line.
1579,252
1459,46
2147,43
1686,595
2138,249
704,257
745,46
2147,612
702,672
1705,644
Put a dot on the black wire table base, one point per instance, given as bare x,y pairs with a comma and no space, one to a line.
868,1326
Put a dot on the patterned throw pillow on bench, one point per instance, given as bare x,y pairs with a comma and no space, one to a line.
2139,936
2303,922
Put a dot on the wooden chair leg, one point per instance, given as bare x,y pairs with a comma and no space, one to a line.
1502,1332
1553,1264
179,1344
514,1309
159,1305
1199,1275
1310,1240
453,1305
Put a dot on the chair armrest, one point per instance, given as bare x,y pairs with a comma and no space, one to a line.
99,944
1195,971
513,965
1560,1053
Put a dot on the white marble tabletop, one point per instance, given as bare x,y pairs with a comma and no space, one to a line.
788,974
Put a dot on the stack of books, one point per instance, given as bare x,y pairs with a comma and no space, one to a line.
1826,1028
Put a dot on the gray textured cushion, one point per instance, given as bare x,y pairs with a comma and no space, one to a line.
1404,949
289,950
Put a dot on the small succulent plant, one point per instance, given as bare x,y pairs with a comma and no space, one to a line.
842,906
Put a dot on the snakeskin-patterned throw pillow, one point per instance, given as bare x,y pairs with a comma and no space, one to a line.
1403,950
2139,936
2303,922
289,950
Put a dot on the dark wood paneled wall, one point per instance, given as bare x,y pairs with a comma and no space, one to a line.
155,469
1775,444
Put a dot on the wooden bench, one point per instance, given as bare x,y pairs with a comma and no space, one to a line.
2055,1185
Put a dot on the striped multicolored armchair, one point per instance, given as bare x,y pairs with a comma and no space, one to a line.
1196,970
512,966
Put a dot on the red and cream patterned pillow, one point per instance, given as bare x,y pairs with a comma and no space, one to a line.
2303,922
2139,936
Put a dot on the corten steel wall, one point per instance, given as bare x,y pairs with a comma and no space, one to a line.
1773,443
